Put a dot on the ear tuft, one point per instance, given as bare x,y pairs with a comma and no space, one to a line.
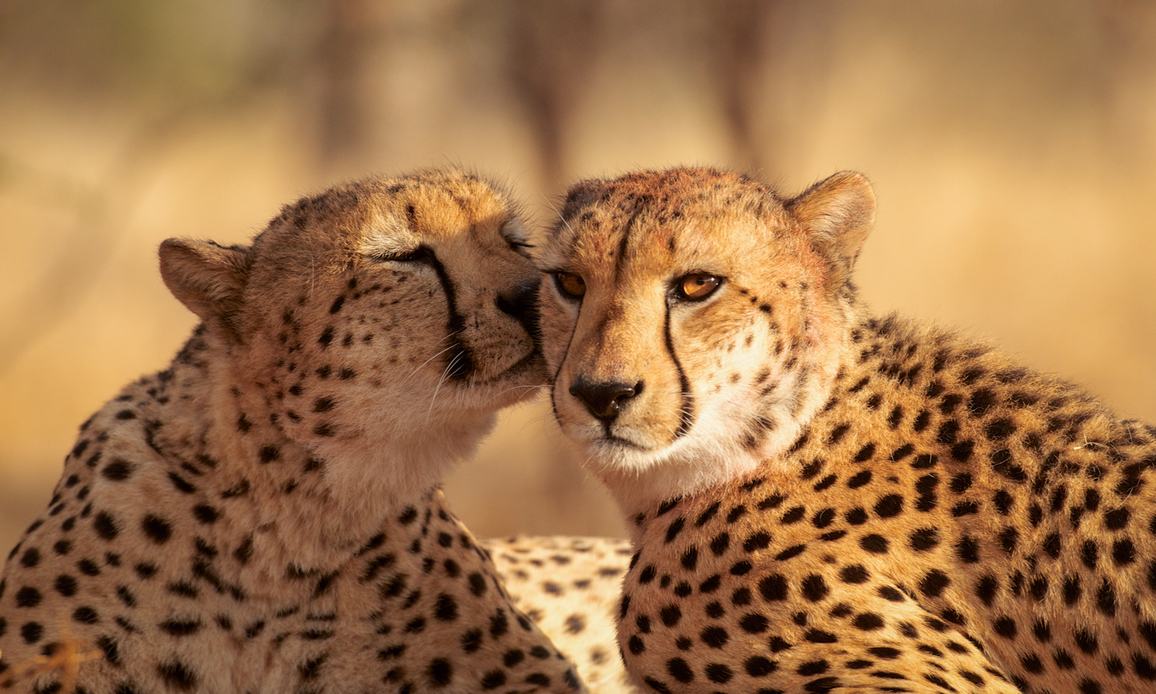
837,215
207,278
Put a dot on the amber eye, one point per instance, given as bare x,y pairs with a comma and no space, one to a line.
697,286
570,285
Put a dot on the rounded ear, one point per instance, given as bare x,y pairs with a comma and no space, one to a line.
207,278
581,194
837,214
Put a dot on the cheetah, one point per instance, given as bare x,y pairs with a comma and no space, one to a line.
263,515
820,498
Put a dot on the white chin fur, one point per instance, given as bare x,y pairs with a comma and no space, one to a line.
711,454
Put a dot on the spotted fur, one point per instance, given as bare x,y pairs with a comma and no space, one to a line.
827,500
571,588
262,516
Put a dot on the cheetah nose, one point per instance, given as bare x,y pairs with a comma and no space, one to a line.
604,399
522,304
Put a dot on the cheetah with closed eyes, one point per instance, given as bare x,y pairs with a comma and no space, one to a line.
262,516
823,499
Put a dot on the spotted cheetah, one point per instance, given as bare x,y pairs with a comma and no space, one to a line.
821,498
262,516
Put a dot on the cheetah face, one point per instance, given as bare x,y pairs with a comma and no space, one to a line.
693,321
383,322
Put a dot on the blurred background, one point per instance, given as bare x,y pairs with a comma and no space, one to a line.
1012,144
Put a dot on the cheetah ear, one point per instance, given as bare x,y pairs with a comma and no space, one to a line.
837,214
579,195
207,278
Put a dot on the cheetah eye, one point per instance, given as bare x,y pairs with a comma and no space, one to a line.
514,236
696,286
570,285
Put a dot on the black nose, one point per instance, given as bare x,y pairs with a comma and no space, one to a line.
604,399
522,304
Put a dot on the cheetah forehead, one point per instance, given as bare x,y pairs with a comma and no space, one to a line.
684,213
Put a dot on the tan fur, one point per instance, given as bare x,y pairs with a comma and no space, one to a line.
262,515
571,588
926,515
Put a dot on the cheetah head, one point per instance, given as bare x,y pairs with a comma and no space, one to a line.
380,324
694,321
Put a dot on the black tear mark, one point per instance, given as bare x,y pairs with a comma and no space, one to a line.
459,361
686,411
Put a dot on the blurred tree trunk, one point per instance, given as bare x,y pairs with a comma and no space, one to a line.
350,28
551,48
734,54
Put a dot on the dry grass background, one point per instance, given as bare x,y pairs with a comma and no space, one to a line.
1012,144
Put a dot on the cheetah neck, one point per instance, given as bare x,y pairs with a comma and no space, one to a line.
292,504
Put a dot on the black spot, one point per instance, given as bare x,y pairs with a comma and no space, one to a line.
924,539
773,587
440,672
177,675
814,588
679,670
1116,518
31,632
760,540
31,558
813,667
891,594
967,549
855,573
1123,552
117,471
65,585
933,583
715,637
876,544
754,623
1005,627
961,451
867,621
181,484
157,529
1106,599
176,627
889,506
819,636
790,552
707,515
856,516
28,597
106,526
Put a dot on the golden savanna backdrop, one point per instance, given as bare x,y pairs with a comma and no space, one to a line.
1012,145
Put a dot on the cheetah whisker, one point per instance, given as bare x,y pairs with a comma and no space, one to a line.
435,356
558,212
444,376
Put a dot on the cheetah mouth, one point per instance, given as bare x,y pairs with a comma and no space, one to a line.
614,442
533,361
